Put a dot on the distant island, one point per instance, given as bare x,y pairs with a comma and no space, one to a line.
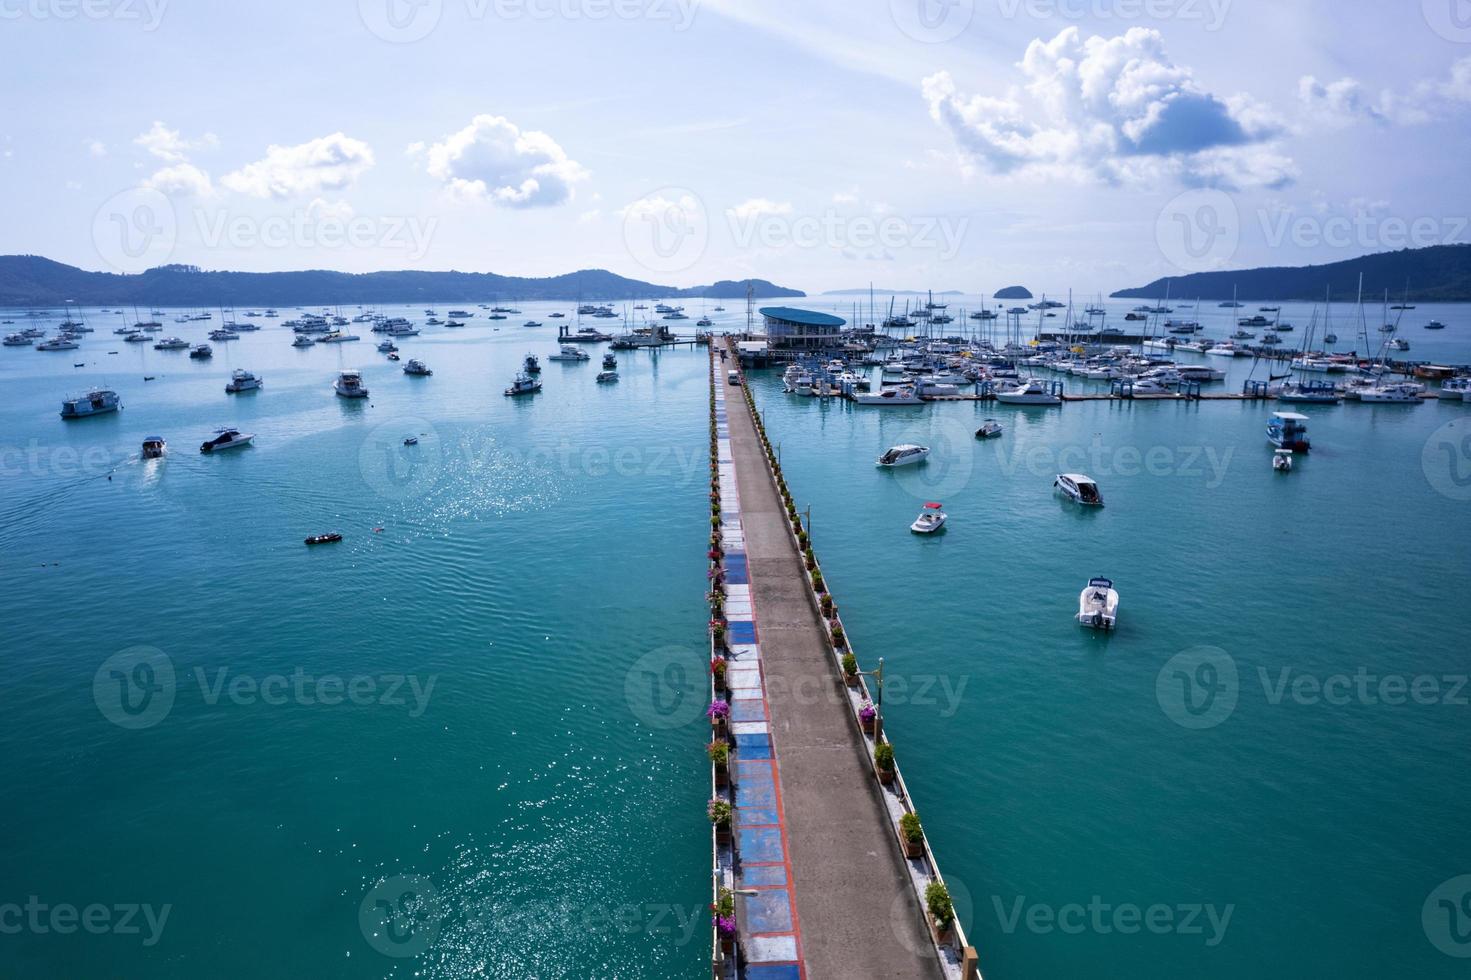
1439,273
893,292
1013,292
31,280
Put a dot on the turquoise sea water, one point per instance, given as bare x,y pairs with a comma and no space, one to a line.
540,562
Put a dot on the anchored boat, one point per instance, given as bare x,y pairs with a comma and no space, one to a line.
1098,605
930,520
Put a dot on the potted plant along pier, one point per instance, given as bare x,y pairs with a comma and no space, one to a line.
839,639
883,761
719,752
719,812
717,632
850,669
722,917
826,602
911,835
941,912
818,585
718,668
866,715
719,715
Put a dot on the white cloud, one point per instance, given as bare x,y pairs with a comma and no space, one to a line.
1114,109
167,144
494,160
97,148
758,207
1342,102
181,180
328,163
321,209
1345,101
588,217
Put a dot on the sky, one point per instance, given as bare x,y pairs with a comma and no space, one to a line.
1084,145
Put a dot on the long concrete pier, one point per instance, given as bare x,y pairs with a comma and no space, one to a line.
823,888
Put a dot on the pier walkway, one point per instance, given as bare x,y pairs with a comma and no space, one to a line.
832,831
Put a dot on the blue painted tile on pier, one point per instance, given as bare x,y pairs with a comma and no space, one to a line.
756,816
756,876
769,911
754,794
753,772
773,971
759,844
748,709
752,741
741,631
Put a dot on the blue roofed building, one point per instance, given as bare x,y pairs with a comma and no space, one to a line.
788,328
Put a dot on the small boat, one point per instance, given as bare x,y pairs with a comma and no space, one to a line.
302,340
202,352
524,384
418,368
531,323
154,447
241,380
1330,338
1399,343
349,384
324,538
990,429
1079,488
454,323
930,520
1435,325
1288,430
411,441
226,439
387,347
1098,605
1282,460
610,361
903,456
393,356
570,353
98,401
607,377
533,366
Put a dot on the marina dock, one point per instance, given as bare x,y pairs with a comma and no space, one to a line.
814,860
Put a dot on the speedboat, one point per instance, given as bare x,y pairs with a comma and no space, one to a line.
903,456
202,352
990,429
524,384
570,353
531,323
606,377
241,380
98,401
890,396
1079,488
302,340
349,384
1288,430
417,367
1034,392
226,439
411,441
154,447
1282,460
930,520
324,538
1098,604
1435,325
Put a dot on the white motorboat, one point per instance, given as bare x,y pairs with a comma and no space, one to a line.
417,367
337,337
1455,390
889,396
1034,392
930,520
302,340
18,340
570,353
98,401
531,323
929,388
903,456
226,439
1282,460
242,380
58,343
172,343
1079,488
607,377
990,429
524,384
1098,605
349,384
1391,394
223,335
154,447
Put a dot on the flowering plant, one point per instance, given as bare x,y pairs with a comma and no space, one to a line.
719,708
866,712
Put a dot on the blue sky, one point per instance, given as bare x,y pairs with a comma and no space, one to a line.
953,144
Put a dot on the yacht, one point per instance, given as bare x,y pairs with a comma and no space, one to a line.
349,384
570,353
98,401
223,334
1288,430
903,456
1282,460
589,335
1391,394
18,340
242,380
58,343
1079,488
154,447
890,396
337,337
1309,393
1098,604
930,520
1034,392
226,439
990,429
524,384
400,328
137,337
1228,349
607,377
302,340
460,314
201,352
418,368
1455,390
172,343
1199,372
